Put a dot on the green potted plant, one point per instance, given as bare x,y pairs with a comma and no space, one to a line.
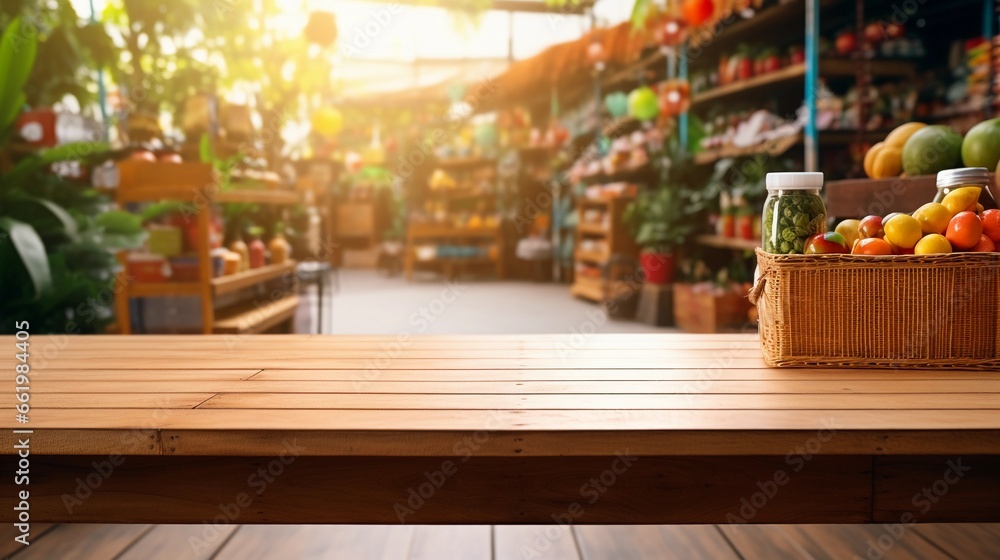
659,225
56,235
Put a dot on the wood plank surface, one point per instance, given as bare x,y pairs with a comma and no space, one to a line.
690,401
318,542
591,490
177,542
962,540
831,542
44,384
83,541
653,542
542,542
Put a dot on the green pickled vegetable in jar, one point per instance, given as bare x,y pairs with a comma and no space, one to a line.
793,212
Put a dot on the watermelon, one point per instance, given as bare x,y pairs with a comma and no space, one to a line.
932,149
981,147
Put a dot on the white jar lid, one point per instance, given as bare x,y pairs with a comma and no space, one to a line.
806,180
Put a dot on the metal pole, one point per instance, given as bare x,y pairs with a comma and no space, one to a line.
989,13
683,122
812,78
102,94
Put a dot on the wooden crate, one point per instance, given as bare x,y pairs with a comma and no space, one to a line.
703,311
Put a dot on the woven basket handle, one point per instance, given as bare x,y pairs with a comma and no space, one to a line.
758,289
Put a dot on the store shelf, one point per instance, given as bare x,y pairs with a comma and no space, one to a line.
446,163
786,74
233,282
251,318
879,68
441,231
257,196
163,289
731,243
588,288
592,228
773,148
625,175
592,257
761,26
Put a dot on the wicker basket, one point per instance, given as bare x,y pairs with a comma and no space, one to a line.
928,311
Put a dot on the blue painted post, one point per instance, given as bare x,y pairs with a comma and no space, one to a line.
989,15
683,122
812,80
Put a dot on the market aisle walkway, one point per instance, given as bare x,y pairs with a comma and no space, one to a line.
369,303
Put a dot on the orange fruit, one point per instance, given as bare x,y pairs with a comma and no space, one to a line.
964,231
985,245
872,246
991,224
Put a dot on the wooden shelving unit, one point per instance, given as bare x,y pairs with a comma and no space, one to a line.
419,233
198,184
731,243
741,87
773,148
615,236
467,192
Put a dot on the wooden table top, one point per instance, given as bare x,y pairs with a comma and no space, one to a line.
528,395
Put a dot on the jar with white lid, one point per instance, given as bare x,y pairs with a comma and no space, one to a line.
793,212
951,179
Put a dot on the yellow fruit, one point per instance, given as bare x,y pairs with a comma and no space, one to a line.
897,138
870,157
849,229
903,231
960,199
933,217
888,162
932,244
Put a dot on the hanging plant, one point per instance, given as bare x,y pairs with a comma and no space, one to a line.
321,28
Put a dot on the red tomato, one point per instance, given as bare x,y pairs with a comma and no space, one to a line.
698,12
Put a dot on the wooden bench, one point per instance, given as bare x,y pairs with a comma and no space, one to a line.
631,428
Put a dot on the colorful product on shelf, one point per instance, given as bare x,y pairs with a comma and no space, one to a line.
257,253
184,269
165,240
147,268
280,249
240,248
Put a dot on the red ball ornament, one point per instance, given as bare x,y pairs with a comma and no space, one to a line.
698,12
674,97
670,32
596,54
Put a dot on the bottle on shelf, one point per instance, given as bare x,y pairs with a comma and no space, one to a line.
257,250
279,247
239,247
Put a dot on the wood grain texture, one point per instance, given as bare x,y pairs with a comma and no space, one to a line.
962,540
179,542
938,488
467,542
647,542
318,542
586,490
540,542
83,542
830,542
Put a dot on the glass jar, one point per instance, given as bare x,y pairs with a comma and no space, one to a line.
966,177
793,212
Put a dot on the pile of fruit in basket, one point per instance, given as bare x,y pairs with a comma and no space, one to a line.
956,224
918,149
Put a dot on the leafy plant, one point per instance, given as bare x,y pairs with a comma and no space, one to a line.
55,235
657,220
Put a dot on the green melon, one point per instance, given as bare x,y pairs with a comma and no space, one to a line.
981,147
932,149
